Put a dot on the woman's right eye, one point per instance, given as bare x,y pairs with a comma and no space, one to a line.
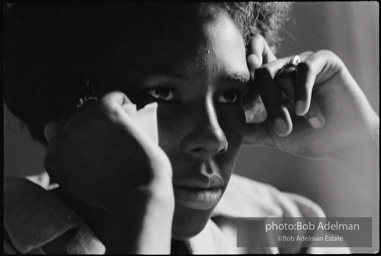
162,94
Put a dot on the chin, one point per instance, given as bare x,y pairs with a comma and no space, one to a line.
188,222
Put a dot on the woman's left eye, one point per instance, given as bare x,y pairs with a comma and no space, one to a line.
162,94
229,97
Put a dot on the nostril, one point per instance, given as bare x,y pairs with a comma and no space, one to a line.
222,150
198,150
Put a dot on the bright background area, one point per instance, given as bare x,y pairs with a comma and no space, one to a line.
351,30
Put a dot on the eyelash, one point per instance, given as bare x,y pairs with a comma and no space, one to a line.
236,97
157,93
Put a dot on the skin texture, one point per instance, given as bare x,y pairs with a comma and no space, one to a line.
326,91
199,86
200,134
201,122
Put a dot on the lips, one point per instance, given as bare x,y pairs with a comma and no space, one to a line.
198,198
202,191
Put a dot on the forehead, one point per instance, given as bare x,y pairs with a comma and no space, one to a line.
193,36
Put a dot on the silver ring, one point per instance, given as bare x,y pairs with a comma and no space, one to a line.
293,62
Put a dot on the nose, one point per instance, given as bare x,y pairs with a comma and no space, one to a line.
205,138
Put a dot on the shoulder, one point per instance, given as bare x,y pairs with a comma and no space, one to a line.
34,218
248,198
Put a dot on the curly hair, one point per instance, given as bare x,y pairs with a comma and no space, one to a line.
265,18
51,50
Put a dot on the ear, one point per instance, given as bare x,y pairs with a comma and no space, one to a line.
50,130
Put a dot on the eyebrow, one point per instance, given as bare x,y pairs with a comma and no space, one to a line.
168,71
173,72
237,77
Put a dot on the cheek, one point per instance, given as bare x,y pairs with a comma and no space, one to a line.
172,126
233,123
176,121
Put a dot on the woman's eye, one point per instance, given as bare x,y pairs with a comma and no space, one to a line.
229,97
163,94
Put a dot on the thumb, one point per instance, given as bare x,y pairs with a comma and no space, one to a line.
258,135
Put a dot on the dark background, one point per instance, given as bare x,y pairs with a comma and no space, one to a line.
351,30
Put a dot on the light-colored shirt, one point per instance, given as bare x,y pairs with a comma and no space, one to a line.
37,221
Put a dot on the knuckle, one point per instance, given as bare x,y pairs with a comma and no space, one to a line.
106,107
307,53
105,102
327,53
331,56
112,114
334,62
263,74
257,38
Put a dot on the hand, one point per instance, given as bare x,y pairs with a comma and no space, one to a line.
315,109
100,156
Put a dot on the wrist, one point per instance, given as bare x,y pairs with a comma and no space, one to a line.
360,157
143,226
364,143
143,222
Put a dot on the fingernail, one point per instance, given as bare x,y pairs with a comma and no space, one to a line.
253,61
316,122
281,126
299,109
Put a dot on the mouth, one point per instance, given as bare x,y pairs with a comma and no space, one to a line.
198,198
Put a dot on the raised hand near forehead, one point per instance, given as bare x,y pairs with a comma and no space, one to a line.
100,156
314,106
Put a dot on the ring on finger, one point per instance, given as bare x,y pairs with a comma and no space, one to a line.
293,62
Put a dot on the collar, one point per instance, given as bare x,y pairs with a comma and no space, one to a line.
243,198
33,218
248,198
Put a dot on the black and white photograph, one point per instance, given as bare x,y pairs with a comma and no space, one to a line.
191,127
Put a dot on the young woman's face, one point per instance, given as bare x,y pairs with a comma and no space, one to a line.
198,81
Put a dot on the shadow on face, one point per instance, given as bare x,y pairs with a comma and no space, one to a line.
190,58
193,64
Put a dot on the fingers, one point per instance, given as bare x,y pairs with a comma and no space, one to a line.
279,86
305,80
258,53
115,97
272,98
312,70
298,83
316,68
110,102
315,116
118,101
309,72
